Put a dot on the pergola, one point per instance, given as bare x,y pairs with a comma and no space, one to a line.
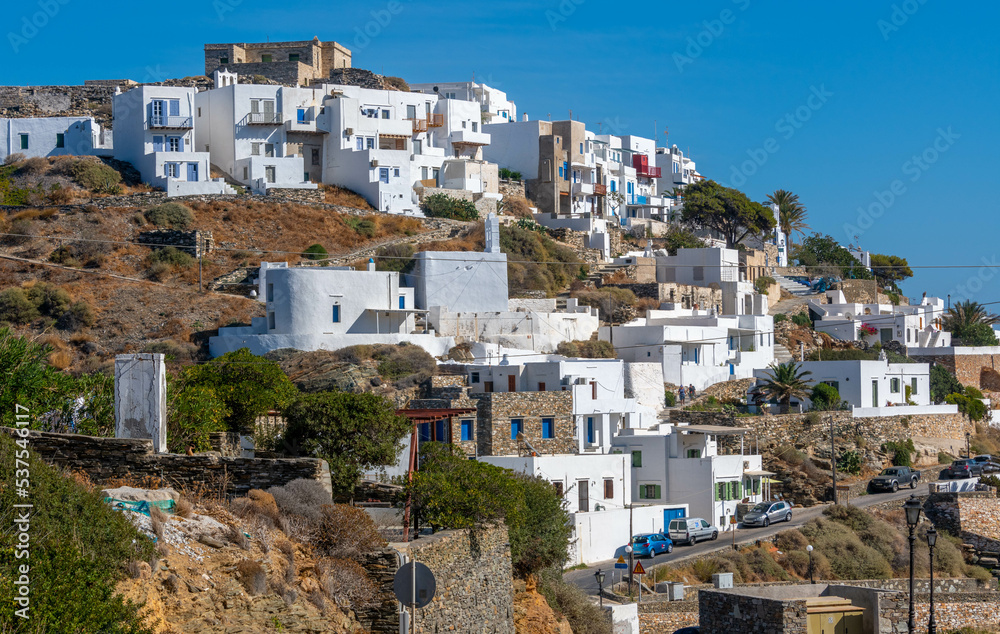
418,417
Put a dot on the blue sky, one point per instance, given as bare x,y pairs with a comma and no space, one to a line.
887,106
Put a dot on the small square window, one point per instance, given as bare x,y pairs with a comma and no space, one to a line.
395,172
293,57
60,139
336,314
265,59
255,149
467,429
223,60
474,377
370,143
386,114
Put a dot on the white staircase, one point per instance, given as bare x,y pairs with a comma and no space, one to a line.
795,288
781,354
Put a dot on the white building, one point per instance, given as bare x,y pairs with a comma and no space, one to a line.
775,237
678,171
248,130
383,143
496,108
870,384
155,132
695,346
682,464
53,136
915,326
327,308
608,394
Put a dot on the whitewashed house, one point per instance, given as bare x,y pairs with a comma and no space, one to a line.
496,108
914,326
246,129
328,308
683,464
678,171
155,132
53,136
695,346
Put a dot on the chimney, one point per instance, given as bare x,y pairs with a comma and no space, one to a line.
492,234
524,116
371,264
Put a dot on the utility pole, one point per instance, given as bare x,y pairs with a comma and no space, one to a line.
630,549
198,247
833,461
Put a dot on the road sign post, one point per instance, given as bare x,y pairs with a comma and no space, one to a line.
414,585
639,570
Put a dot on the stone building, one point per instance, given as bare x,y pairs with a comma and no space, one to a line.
288,63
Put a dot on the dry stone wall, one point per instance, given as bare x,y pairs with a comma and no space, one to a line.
497,409
105,458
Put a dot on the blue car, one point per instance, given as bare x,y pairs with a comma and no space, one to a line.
651,545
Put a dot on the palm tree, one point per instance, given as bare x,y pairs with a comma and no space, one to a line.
783,382
968,313
791,213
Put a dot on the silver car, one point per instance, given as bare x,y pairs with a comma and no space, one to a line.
689,530
766,512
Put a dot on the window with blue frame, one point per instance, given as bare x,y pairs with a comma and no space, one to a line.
383,174
560,172
516,427
336,314
565,170
467,429
548,428
424,432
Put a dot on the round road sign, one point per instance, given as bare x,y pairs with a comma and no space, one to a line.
407,578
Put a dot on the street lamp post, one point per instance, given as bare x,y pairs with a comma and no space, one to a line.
968,447
599,575
628,551
931,540
810,549
912,508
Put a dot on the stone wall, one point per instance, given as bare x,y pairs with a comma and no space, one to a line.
105,458
858,291
974,516
382,615
284,72
291,194
796,430
496,409
511,188
722,611
475,585
979,370
194,243
666,616
58,101
685,295
358,77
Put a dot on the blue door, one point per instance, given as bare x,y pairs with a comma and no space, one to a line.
671,514
193,172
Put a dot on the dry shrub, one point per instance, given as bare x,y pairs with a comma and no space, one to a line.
33,166
260,529
60,359
252,576
290,596
134,571
302,497
347,532
790,540
64,195
517,206
236,536
347,583
157,523
645,304
346,198
16,157
257,504
172,584
183,508
265,502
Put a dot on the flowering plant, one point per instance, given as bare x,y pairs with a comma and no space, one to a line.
865,329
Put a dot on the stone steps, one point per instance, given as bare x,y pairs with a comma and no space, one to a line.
793,287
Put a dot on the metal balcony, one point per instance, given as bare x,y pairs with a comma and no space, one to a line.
601,190
172,123
263,118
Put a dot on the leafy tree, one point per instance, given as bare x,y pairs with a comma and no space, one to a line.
975,335
969,402
726,210
315,252
193,412
971,324
450,491
25,378
889,270
509,174
943,383
784,381
79,551
825,397
248,385
819,251
352,432
681,238
791,213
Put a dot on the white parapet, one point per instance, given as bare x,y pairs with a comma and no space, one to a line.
141,398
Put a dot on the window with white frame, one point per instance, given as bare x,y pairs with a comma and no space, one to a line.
255,149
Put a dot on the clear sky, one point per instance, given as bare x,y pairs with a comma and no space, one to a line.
886,106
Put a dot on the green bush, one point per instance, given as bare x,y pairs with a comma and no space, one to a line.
364,227
991,480
584,616
404,364
850,462
670,398
444,206
170,215
16,308
173,256
969,403
945,458
509,174
802,319
80,549
193,412
315,252
902,451
395,257
78,315
780,317
825,397
21,306
849,556
527,251
97,176
762,283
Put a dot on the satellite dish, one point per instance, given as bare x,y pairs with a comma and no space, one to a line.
414,584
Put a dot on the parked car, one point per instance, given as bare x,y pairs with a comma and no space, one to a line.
766,512
892,478
651,545
989,463
688,530
962,469
689,630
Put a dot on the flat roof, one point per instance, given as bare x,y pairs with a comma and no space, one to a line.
712,429
759,473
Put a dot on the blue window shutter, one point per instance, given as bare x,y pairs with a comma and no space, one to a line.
336,314
175,108
180,144
157,143
301,115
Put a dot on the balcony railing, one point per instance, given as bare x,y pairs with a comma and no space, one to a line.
601,190
649,171
435,120
176,123
419,125
263,118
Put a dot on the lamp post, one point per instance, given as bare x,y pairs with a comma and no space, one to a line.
912,508
599,575
931,540
628,551
809,548
968,447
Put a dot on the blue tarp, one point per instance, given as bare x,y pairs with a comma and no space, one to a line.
139,507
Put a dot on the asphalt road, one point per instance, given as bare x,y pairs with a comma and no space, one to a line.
584,578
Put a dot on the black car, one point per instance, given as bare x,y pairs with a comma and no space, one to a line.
688,630
961,469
